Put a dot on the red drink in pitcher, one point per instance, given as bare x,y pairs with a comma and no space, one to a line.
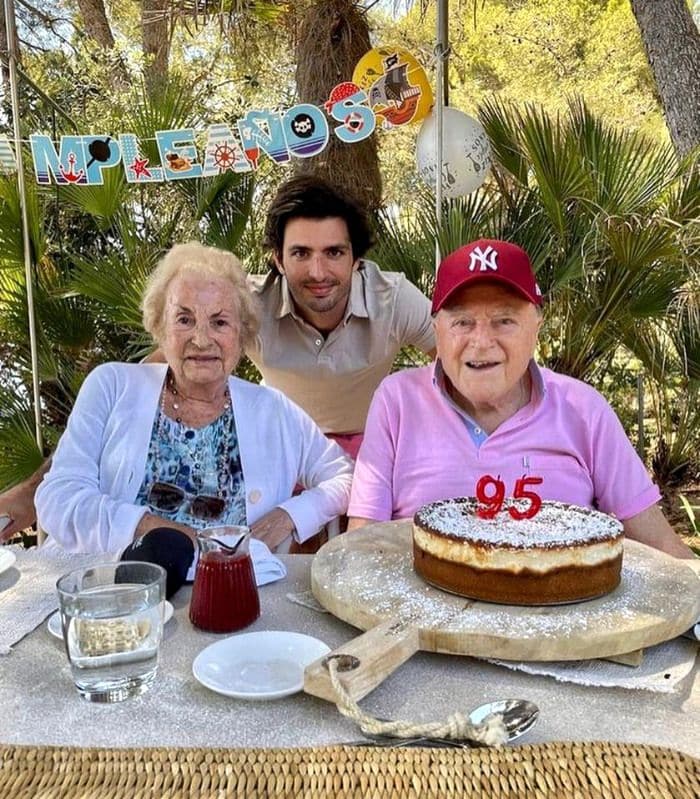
224,595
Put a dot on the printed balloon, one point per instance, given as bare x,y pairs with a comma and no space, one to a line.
466,155
397,87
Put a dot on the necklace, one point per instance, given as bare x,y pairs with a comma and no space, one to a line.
223,466
175,401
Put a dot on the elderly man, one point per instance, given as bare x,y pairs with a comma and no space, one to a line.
485,407
332,322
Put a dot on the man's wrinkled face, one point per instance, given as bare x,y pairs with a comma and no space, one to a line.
485,340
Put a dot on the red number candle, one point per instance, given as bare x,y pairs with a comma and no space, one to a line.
491,503
521,492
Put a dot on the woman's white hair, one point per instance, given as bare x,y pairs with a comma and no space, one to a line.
196,258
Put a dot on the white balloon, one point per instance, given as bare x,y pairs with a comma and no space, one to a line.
466,155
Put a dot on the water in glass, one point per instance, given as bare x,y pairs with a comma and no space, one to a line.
112,623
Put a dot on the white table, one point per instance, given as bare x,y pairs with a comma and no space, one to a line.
38,704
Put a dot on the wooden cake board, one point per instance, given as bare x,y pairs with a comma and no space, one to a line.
366,578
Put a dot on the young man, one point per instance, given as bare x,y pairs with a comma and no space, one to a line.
332,322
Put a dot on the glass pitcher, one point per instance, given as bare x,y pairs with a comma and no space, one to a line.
224,595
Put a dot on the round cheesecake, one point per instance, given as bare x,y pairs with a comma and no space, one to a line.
563,554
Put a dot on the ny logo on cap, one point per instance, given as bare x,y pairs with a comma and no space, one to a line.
483,259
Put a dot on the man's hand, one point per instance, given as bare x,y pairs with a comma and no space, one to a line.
273,528
17,503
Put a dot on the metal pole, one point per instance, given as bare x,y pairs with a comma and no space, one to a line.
443,37
441,49
12,53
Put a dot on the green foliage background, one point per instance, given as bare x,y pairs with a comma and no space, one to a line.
584,178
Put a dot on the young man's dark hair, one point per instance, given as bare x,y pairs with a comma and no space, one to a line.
311,197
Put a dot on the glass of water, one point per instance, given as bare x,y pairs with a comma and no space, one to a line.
112,617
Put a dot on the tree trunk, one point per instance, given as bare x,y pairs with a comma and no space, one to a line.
672,44
95,22
333,37
156,40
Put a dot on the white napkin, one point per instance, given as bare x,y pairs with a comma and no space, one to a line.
663,668
267,567
28,591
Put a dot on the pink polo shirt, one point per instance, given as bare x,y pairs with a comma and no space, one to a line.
418,449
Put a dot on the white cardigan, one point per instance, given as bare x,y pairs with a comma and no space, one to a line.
86,501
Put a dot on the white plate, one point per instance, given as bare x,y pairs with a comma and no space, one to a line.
262,665
54,622
7,559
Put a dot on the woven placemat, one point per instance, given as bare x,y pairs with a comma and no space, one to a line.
571,770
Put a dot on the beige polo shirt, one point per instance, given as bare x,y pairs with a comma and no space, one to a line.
333,379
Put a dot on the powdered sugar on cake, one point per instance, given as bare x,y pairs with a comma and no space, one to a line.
555,525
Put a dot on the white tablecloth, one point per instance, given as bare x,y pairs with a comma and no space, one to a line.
28,589
40,705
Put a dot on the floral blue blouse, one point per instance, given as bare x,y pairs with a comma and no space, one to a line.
195,460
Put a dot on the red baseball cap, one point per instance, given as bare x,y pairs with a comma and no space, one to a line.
486,259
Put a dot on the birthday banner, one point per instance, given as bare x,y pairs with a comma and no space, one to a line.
388,87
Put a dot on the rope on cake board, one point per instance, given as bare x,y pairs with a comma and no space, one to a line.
490,732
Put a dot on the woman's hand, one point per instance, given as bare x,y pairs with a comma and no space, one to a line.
273,528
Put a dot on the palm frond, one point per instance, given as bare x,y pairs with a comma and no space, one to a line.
115,283
465,219
19,454
503,122
556,170
11,240
102,203
222,206
625,172
405,244
173,104
685,335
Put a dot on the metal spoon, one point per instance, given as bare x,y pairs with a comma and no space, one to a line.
518,715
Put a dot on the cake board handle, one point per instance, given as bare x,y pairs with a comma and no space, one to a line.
365,661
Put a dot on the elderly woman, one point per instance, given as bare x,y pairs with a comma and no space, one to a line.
485,407
184,445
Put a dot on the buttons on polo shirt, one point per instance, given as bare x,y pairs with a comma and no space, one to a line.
319,342
254,496
477,434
